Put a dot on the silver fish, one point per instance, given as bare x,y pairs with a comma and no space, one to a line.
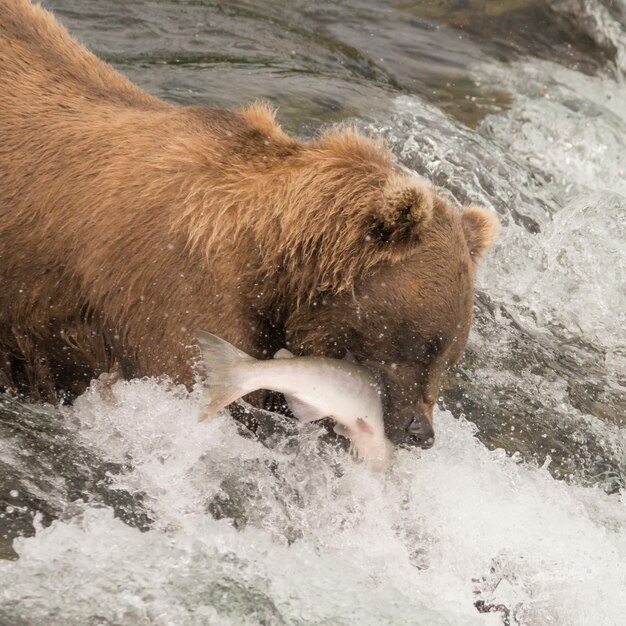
314,387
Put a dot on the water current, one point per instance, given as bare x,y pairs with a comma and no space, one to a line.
129,512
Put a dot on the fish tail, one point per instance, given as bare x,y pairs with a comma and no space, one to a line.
223,380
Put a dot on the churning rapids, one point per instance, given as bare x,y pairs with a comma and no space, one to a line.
132,513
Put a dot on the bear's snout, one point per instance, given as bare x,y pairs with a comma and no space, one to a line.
420,432
407,427
407,416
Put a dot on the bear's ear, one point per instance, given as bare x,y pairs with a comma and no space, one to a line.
481,228
401,218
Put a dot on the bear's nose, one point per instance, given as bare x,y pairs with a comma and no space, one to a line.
420,433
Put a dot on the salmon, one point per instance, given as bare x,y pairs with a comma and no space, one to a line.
314,388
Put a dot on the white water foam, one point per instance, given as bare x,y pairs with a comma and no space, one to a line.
570,128
572,275
320,539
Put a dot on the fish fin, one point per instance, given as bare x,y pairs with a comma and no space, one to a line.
355,452
364,426
283,353
213,347
303,411
342,430
217,399
350,358
222,361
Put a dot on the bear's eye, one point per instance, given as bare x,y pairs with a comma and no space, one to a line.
432,348
413,349
420,350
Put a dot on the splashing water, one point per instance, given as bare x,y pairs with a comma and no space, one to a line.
320,539
516,516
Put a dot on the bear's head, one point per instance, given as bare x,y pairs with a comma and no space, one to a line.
374,264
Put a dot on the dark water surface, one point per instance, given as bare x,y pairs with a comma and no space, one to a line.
518,513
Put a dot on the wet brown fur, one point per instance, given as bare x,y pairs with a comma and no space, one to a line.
126,223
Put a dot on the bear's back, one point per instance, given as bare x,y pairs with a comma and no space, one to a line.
37,55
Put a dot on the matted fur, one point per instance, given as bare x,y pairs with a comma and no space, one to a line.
126,223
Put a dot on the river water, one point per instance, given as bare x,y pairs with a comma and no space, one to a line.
129,512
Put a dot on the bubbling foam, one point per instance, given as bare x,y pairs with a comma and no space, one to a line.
308,535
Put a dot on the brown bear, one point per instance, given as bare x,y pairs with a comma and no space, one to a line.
127,222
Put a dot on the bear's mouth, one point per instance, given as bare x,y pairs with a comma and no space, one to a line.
403,425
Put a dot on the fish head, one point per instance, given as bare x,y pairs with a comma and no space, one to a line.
408,320
369,444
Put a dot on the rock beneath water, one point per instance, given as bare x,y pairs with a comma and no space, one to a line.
567,32
44,468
